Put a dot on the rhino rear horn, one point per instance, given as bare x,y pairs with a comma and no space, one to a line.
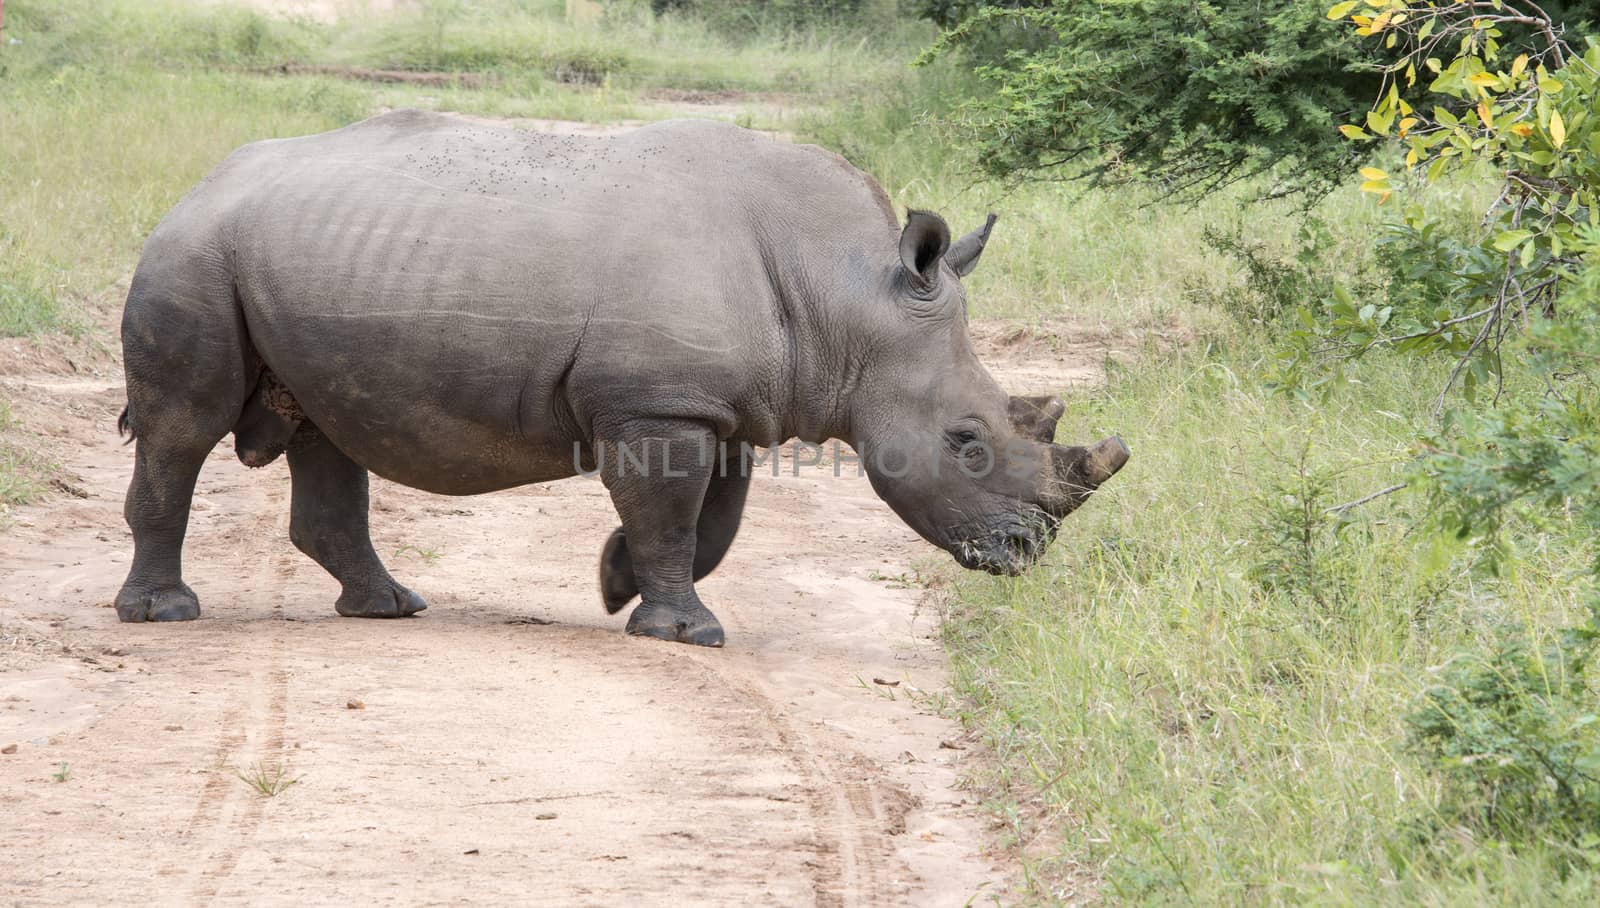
1036,417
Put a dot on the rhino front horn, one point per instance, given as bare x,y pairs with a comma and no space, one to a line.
1078,471
1105,459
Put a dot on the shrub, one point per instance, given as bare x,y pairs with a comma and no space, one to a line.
1513,734
1192,97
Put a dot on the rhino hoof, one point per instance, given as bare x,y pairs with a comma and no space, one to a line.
617,586
389,601
177,603
699,628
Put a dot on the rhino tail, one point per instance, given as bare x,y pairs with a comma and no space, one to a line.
125,424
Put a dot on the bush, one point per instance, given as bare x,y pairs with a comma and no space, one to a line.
1272,286
1512,733
1191,96
747,17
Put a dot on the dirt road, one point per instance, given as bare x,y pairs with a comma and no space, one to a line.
510,744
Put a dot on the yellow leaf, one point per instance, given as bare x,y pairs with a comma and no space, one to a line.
1354,132
1522,129
1340,10
1411,158
1373,173
1481,80
1484,114
1558,129
1406,124
1381,186
1519,65
1362,21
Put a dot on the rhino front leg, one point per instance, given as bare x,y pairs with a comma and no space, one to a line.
720,513
658,473
328,521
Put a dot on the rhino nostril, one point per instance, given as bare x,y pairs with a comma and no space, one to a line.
1021,545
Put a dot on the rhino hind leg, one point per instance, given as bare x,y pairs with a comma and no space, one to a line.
328,521
267,423
720,514
185,357
157,510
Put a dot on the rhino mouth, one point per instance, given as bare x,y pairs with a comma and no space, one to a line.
1008,549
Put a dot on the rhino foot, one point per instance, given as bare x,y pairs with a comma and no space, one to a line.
698,627
178,603
389,601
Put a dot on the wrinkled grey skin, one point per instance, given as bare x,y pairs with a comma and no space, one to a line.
454,307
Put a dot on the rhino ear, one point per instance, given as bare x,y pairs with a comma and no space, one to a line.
1036,417
963,256
922,245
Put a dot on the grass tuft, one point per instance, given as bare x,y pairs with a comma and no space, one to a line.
267,779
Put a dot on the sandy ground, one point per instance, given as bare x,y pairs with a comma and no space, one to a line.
509,745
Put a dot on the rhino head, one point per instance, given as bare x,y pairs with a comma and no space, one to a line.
973,470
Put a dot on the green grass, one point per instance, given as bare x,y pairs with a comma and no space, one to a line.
1201,735
91,160
19,471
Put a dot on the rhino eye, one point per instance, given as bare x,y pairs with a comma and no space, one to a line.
962,439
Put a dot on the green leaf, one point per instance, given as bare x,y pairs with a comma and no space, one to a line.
1511,239
1340,10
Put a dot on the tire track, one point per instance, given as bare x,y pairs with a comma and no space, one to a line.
852,852
259,746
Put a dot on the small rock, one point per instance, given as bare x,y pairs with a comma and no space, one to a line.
951,745
172,728
353,703
8,749
545,816
470,851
